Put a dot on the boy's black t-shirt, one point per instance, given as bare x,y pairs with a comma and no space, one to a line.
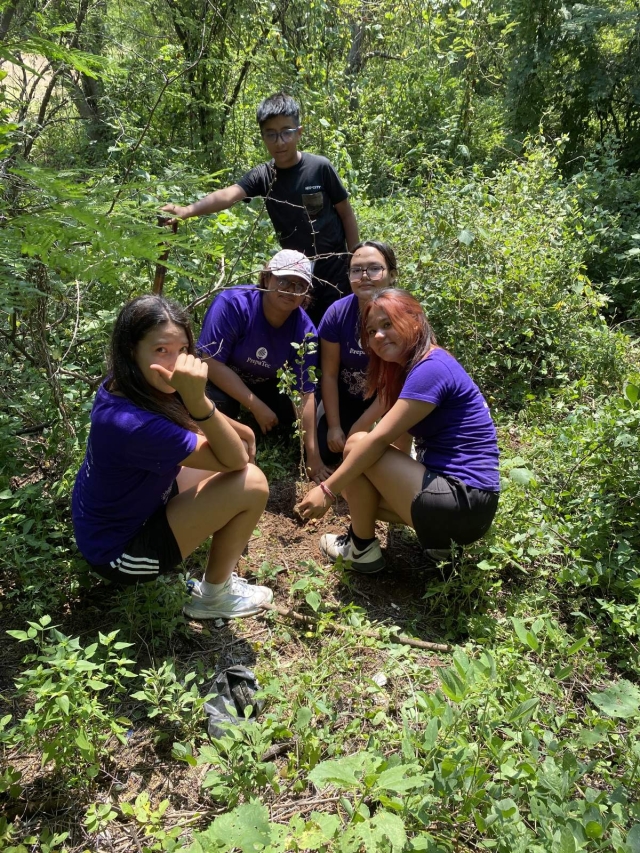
301,203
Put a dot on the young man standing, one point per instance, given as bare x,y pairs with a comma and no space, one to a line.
305,199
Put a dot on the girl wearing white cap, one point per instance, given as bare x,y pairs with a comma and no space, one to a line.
248,335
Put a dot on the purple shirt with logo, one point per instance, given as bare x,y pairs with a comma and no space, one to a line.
458,438
236,333
131,462
341,325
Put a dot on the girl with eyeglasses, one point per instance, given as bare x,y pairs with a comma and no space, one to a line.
343,359
450,493
164,471
248,335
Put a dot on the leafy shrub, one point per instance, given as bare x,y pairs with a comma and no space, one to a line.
610,217
498,264
68,722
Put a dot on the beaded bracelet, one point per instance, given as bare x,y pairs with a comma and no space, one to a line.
328,491
206,417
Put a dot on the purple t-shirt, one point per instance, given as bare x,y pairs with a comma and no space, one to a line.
236,333
132,460
458,438
341,325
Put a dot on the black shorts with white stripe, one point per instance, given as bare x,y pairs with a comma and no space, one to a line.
152,551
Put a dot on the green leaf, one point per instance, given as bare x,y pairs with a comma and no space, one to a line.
593,829
247,827
22,636
63,703
372,833
422,842
525,636
344,773
631,392
431,733
524,709
82,742
313,599
575,647
619,700
318,832
507,808
392,827
564,842
452,685
303,717
521,476
561,672
466,237
395,779
633,838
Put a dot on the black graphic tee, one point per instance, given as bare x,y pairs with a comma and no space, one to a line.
301,203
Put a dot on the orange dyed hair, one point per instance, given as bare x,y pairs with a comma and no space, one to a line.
407,317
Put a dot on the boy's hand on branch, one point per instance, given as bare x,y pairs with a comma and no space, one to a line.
177,210
265,416
313,505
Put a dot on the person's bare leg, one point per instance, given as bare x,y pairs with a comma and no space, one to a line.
364,501
385,491
227,505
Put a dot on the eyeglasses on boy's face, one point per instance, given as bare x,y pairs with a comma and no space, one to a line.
295,285
374,272
286,135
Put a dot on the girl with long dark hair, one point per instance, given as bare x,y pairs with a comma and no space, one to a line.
450,493
344,362
164,470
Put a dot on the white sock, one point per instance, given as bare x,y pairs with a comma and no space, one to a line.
207,588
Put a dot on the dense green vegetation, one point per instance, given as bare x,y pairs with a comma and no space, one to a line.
495,144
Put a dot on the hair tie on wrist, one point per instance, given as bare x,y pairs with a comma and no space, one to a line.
328,491
206,417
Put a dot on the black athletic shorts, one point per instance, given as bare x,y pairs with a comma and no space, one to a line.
151,552
447,510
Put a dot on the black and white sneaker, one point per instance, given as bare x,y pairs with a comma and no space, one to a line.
368,561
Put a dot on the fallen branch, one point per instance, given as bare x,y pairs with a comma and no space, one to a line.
289,613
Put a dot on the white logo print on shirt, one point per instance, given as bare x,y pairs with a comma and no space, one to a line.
261,353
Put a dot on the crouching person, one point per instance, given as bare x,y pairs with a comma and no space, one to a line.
450,493
164,470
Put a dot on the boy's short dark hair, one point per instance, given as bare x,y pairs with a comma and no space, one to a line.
278,105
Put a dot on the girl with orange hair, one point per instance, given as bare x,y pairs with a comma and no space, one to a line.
450,493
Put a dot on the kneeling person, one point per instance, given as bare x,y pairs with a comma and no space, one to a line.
248,335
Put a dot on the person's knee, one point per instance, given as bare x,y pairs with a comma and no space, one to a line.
254,486
352,441
256,483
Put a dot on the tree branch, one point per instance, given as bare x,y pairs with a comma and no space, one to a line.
345,629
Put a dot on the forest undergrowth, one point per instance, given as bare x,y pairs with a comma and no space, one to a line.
523,736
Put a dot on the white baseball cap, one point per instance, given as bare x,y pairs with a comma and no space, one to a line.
290,262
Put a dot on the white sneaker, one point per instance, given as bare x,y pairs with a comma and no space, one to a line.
235,599
368,561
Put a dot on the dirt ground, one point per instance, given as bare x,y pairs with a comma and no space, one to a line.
278,554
